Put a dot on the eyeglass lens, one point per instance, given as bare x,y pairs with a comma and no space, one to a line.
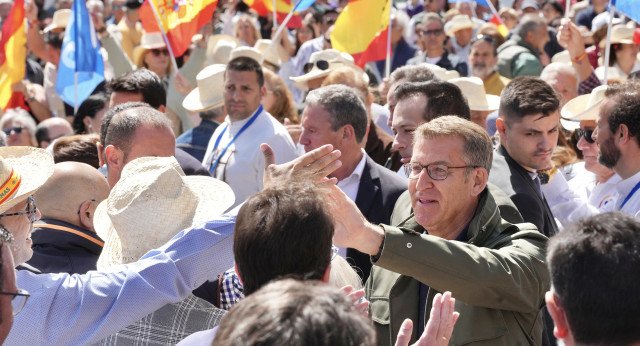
587,135
19,301
16,129
322,64
431,32
158,52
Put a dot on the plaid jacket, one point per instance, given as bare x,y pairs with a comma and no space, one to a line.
169,324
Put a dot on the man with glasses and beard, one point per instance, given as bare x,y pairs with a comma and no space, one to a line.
616,133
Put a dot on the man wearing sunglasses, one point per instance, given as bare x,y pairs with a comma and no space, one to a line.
433,37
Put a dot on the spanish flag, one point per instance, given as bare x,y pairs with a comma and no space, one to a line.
362,30
13,56
502,29
181,20
283,7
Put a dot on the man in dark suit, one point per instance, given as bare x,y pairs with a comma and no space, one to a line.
528,124
336,115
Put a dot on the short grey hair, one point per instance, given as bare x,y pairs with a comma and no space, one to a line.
344,105
560,67
530,22
477,148
413,73
401,17
21,115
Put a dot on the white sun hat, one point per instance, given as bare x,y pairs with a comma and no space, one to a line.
473,89
151,203
459,22
208,93
584,107
23,170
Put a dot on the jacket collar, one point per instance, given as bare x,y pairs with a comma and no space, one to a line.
521,42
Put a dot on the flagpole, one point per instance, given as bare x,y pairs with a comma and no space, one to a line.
75,91
495,12
567,6
164,35
387,64
282,26
275,15
607,50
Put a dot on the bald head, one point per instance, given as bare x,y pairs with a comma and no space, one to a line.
72,194
51,129
563,78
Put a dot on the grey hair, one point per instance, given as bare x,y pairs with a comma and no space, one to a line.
559,67
344,105
477,149
98,3
3,139
413,73
21,115
401,17
530,22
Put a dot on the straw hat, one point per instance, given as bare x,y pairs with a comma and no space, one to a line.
219,48
59,21
584,107
562,57
23,170
272,56
619,34
473,89
442,73
208,94
459,22
245,51
613,74
151,203
334,58
152,40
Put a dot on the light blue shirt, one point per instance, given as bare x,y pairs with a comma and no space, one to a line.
81,309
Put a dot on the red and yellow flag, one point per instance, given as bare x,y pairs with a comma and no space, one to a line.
283,7
181,19
13,56
502,29
362,30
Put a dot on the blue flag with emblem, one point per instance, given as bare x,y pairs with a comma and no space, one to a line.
630,8
81,67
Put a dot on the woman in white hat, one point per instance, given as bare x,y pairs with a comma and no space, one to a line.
153,55
624,51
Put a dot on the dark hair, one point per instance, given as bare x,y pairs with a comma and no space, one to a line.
122,125
556,6
54,39
595,273
106,121
290,312
42,134
486,39
344,106
141,81
313,33
78,148
89,108
244,63
282,231
443,98
626,107
525,96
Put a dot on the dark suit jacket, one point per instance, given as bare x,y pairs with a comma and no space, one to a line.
377,194
516,182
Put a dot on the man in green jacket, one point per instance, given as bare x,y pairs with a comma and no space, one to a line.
454,239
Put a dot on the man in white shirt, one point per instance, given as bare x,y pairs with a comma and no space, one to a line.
335,115
233,154
617,130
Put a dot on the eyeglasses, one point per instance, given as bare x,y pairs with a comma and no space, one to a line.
587,135
436,32
117,7
18,301
322,64
158,52
31,210
435,171
15,129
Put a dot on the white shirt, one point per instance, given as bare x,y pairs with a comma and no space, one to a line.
242,165
624,187
350,186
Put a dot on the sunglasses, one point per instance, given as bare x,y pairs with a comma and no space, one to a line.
322,64
436,32
158,52
31,210
587,135
15,129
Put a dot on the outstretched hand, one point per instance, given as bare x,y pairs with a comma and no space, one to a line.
440,326
313,166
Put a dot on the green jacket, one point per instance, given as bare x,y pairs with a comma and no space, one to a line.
499,278
517,57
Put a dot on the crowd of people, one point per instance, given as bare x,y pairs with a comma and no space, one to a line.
480,187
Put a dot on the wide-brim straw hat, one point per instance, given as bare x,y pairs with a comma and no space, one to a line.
619,34
335,58
152,40
248,52
272,56
59,21
459,22
208,93
23,170
219,48
473,89
151,203
584,107
613,74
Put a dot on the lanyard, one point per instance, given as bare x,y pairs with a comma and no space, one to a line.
213,166
635,188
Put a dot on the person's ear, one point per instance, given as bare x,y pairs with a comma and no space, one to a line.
479,179
101,159
114,157
501,126
263,91
556,311
327,274
86,213
623,134
88,122
162,109
348,133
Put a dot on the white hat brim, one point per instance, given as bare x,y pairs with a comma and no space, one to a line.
493,103
577,109
193,102
34,165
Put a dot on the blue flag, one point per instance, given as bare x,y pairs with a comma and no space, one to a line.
630,8
80,58
304,4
